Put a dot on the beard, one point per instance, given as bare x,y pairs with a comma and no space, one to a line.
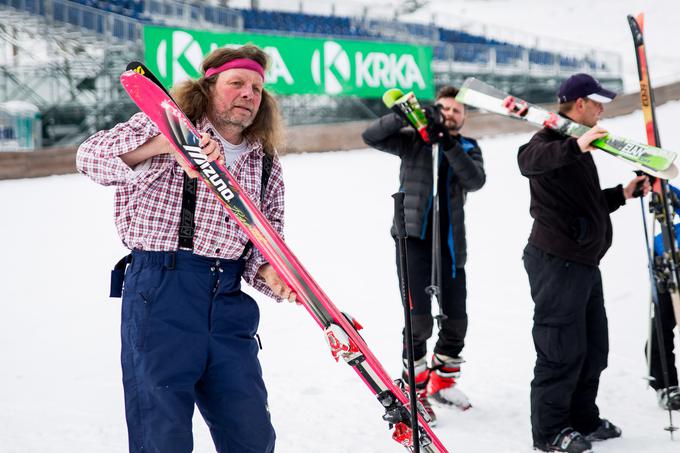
453,127
231,117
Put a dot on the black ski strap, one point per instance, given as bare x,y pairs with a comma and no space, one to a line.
267,163
187,213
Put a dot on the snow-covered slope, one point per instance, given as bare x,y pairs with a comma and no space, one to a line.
60,389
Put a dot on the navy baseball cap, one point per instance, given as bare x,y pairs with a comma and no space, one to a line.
583,86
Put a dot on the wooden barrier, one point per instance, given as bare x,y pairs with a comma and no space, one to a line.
317,138
33,164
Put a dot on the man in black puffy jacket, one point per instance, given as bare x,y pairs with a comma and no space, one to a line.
461,170
571,233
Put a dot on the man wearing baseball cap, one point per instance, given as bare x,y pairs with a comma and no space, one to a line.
571,233
584,85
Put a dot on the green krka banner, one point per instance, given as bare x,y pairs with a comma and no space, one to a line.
299,65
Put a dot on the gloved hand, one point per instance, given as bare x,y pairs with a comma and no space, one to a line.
436,129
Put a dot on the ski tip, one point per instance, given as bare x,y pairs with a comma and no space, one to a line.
390,97
636,24
463,89
467,82
136,66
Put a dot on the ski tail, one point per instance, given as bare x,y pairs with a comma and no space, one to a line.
407,107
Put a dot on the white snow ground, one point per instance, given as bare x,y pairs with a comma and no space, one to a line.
60,384
60,387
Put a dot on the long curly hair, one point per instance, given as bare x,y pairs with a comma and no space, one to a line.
193,97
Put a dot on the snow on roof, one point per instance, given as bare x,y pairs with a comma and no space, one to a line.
18,107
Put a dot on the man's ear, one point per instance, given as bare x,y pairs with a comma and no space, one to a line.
580,103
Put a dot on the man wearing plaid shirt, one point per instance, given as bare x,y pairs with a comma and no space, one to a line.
188,331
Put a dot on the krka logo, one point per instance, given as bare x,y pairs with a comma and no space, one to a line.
336,68
182,60
333,68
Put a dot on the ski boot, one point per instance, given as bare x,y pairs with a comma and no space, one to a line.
441,386
568,441
606,430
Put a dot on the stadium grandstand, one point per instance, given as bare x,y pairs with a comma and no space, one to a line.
65,57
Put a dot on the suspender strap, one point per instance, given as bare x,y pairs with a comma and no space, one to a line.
267,162
187,224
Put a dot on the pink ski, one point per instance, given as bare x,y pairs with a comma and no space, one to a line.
341,333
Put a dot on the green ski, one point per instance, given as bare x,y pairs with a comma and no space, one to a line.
649,159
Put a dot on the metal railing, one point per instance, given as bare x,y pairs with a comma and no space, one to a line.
186,13
95,83
516,60
110,24
62,12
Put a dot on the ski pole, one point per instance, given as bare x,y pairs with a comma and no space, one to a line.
435,289
408,108
400,227
650,309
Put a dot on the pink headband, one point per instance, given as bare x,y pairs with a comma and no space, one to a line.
241,63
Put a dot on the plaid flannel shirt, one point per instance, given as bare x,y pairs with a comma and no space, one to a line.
148,198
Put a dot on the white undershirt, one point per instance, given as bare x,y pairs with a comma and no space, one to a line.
231,151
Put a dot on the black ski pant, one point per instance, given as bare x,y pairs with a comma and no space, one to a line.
453,294
665,312
571,341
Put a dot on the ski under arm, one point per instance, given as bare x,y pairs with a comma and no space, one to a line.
98,157
385,134
542,155
614,197
468,167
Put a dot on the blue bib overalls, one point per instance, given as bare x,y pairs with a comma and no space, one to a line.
188,337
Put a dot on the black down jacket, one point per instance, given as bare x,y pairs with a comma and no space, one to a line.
390,134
